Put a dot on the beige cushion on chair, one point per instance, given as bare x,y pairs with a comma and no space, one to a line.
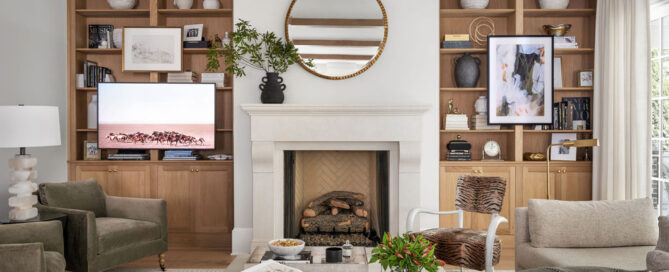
116,233
554,223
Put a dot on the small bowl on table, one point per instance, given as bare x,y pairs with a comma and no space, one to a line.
286,248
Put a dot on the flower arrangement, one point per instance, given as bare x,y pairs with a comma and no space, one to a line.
406,253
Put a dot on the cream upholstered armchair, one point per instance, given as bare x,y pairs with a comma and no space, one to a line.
466,247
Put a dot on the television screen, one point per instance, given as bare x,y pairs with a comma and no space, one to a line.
156,116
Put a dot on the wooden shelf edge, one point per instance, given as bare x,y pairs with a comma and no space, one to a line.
559,131
483,163
575,89
482,89
558,51
478,131
227,88
194,12
569,51
476,12
113,12
106,162
558,12
118,50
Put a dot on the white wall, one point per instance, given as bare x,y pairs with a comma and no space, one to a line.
406,73
33,72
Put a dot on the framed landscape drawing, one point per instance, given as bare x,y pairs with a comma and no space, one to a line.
152,49
520,80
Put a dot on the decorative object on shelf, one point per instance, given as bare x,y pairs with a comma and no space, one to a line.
122,4
455,120
569,144
99,36
80,81
406,253
466,71
347,248
529,156
585,78
557,72
481,105
26,126
474,4
565,42
183,4
557,30
553,4
456,41
93,112
217,78
266,52
182,77
560,152
339,54
520,85
220,157
459,150
91,151
117,38
479,30
578,125
451,107
333,255
581,110
152,49
211,4
226,38
491,151
193,33
480,119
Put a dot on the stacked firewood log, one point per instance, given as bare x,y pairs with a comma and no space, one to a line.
336,211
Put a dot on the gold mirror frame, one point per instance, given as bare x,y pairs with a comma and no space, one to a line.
367,66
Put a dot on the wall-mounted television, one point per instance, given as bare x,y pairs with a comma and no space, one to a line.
156,116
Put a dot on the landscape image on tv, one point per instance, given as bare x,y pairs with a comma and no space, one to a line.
156,116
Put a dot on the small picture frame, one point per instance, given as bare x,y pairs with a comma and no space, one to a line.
91,151
561,153
152,49
585,78
557,72
193,33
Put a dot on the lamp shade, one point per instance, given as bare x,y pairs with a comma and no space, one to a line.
29,126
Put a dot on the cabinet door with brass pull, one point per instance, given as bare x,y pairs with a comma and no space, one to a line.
574,183
129,181
174,185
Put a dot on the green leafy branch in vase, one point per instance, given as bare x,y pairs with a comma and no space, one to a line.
266,51
212,56
406,252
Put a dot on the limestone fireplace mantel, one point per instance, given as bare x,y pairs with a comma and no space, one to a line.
277,128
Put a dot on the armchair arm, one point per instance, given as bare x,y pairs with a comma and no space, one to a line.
412,216
657,260
490,239
27,257
50,234
81,244
145,209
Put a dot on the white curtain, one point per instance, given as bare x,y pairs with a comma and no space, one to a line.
621,166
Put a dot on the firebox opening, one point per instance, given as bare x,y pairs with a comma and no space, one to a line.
334,196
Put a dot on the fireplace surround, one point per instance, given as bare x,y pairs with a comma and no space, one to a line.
396,129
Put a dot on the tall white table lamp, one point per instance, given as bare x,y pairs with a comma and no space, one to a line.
26,126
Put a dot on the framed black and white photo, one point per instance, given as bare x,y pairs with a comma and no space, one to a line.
561,153
91,151
520,80
585,78
152,49
193,33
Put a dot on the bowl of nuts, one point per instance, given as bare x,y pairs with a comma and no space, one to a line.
286,247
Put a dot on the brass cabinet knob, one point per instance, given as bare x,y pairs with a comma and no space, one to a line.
559,171
197,170
564,171
192,170
109,170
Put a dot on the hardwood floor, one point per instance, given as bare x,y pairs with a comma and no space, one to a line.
221,259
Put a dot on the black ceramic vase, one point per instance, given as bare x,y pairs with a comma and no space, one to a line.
272,89
467,71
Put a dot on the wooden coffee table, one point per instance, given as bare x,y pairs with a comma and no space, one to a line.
357,262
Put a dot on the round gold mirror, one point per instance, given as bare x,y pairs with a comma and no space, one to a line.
342,38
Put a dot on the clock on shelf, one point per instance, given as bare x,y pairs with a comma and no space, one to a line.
492,151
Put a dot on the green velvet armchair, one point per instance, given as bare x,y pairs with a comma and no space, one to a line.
32,247
106,231
658,259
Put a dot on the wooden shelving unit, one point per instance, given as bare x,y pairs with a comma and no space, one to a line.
200,203
526,179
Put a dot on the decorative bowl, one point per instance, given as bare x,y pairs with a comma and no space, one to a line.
557,30
286,251
553,4
474,4
122,4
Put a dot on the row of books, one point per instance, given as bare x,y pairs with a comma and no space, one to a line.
183,77
480,122
100,36
181,155
94,74
456,122
572,113
459,155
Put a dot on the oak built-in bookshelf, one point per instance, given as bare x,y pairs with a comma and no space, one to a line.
198,193
526,179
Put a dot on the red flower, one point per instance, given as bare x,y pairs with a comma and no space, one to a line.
416,262
407,251
399,255
442,263
382,246
425,254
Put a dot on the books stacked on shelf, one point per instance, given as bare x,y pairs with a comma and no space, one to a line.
565,42
128,157
456,122
94,74
572,113
456,41
480,122
100,36
459,155
218,78
180,155
183,77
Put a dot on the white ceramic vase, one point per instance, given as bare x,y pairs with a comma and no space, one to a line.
117,37
211,4
183,4
122,4
481,105
553,4
474,4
